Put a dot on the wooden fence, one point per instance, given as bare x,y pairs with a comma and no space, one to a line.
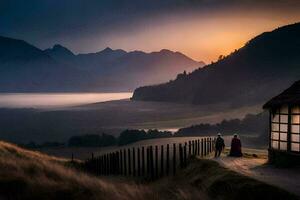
149,161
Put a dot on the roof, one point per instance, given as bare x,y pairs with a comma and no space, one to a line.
289,96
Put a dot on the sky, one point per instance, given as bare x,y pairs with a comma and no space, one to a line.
201,29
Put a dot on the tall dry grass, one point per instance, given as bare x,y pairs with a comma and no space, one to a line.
30,175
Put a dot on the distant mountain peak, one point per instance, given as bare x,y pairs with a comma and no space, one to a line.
60,49
166,51
107,49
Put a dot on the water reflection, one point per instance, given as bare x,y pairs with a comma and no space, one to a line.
56,100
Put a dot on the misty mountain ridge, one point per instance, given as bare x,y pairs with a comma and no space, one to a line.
266,65
26,68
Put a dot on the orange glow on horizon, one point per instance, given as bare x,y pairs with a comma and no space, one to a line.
202,38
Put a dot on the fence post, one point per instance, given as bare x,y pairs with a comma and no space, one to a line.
174,159
156,161
143,161
151,163
211,145
110,164
180,156
99,165
208,144
114,166
133,162
129,162
193,142
167,160
121,162
210,141
107,164
184,156
202,147
148,161
125,162
102,165
139,161
198,144
118,162
161,160
214,143
205,147
96,166
189,148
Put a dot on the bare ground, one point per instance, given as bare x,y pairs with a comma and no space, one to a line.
254,164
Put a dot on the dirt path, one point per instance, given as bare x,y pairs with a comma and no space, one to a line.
256,167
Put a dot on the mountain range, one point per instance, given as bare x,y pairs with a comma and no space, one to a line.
262,68
26,68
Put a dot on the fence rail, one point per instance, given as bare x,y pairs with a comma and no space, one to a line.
150,161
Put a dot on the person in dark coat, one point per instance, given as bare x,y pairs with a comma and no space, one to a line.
236,147
220,145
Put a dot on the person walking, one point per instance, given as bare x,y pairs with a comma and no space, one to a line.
236,147
219,146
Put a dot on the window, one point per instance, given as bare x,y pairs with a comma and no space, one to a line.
295,147
275,145
283,118
275,118
283,136
275,136
283,145
283,127
295,138
295,119
280,120
295,128
275,127
296,110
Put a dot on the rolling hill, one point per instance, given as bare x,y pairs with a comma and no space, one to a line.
32,175
262,68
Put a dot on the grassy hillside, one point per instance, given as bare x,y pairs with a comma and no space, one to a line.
31,175
261,69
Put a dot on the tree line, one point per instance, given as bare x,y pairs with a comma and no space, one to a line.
252,124
104,140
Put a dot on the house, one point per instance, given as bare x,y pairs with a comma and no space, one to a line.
284,120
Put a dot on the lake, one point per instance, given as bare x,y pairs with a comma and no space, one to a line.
56,100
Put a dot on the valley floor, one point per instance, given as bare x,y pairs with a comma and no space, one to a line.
163,115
